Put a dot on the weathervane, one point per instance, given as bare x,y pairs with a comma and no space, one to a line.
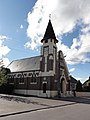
49,16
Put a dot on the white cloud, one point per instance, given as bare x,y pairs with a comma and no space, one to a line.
2,37
79,50
72,70
86,29
4,61
4,50
21,26
37,20
65,15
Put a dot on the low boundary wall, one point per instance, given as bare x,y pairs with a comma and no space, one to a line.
82,94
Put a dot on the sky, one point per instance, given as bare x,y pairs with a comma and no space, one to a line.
23,24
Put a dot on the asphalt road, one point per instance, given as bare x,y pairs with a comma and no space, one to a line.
78,111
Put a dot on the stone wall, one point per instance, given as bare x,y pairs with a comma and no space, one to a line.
83,94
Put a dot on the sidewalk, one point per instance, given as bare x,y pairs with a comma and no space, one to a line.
11,105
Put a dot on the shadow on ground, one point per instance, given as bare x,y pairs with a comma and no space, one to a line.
84,100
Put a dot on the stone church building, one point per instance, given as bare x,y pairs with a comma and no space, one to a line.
45,75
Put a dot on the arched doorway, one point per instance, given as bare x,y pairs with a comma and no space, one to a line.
63,85
44,87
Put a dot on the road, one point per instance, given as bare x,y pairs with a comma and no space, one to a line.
77,111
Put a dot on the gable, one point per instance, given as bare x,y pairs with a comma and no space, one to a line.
27,64
72,79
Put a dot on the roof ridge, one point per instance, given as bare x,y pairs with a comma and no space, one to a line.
26,58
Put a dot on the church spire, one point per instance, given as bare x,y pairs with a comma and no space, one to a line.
49,32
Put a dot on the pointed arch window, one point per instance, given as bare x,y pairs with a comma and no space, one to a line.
33,79
46,50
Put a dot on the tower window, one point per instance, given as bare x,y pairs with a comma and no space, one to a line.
25,74
29,74
21,80
54,50
46,41
33,79
51,40
46,50
54,41
44,87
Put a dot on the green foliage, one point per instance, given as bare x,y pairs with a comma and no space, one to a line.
86,85
3,75
79,86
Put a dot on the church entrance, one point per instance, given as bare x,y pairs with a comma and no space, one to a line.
63,86
44,87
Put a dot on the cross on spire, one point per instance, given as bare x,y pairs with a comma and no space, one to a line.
49,16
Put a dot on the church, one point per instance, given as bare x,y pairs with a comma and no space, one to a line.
45,75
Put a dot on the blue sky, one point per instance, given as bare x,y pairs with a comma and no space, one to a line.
23,23
13,14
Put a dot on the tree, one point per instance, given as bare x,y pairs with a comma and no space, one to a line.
1,62
4,75
79,86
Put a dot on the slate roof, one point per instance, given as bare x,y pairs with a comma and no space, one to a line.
27,64
73,80
49,32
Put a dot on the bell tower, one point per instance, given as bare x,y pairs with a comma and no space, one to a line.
49,50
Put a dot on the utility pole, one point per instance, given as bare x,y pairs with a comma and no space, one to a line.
58,83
